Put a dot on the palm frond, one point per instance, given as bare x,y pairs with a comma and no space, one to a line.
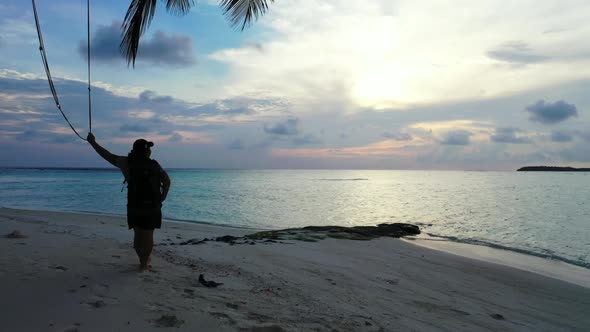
138,17
241,13
179,7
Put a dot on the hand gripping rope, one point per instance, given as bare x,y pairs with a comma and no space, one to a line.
50,80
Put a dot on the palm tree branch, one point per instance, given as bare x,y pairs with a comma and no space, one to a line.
241,13
179,7
138,17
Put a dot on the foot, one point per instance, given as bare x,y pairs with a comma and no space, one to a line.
145,266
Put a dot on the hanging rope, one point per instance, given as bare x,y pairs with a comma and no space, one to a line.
50,80
88,57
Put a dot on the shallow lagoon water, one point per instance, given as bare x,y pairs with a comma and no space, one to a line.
540,213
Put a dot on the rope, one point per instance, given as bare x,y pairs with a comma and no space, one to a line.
89,99
49,79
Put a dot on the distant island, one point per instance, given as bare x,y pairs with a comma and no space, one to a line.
552,169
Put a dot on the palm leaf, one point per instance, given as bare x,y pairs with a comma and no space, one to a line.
179,7
241,13
138,18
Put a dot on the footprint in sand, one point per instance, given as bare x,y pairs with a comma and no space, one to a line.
74,328
271,328
232,306
440,308
497,316
223,316
168,321
97,304
58,267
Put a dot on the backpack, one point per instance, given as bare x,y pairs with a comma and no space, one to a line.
143,184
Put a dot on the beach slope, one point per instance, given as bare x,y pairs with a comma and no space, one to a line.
78,272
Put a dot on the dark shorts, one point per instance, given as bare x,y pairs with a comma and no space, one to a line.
149,218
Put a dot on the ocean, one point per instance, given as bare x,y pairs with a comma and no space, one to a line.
545,214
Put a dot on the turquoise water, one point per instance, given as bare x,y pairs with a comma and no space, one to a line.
543,214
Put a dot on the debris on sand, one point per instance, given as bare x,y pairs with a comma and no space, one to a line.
16,234
208,283
315,233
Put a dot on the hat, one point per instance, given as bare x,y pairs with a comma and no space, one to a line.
142,145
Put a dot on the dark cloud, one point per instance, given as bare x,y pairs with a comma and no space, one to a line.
457,137
561,136
551,113
46,137
176,137
226,107
288,127
508,135
149,96
306,140
515,52
161,50
397,136
236,144
104,45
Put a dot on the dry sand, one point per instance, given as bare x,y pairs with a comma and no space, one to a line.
78,272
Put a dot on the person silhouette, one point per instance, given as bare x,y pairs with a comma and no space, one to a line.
147,188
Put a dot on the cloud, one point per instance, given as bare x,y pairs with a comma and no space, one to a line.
176,137
516,52
27,112
307,140
551,113
561,136
398,136
45,136
229,107
288,127
365,58
508,135
135,128
161,50
17,31
457,137
149,96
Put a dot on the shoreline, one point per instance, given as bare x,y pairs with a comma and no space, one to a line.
75,269
556,269
552,267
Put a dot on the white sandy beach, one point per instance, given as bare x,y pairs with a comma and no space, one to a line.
78,272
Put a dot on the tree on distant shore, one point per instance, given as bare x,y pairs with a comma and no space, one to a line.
240,14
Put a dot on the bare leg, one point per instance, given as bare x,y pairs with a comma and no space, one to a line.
144,244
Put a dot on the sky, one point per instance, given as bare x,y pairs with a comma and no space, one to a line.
331,84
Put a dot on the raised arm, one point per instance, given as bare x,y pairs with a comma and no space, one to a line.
111,158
